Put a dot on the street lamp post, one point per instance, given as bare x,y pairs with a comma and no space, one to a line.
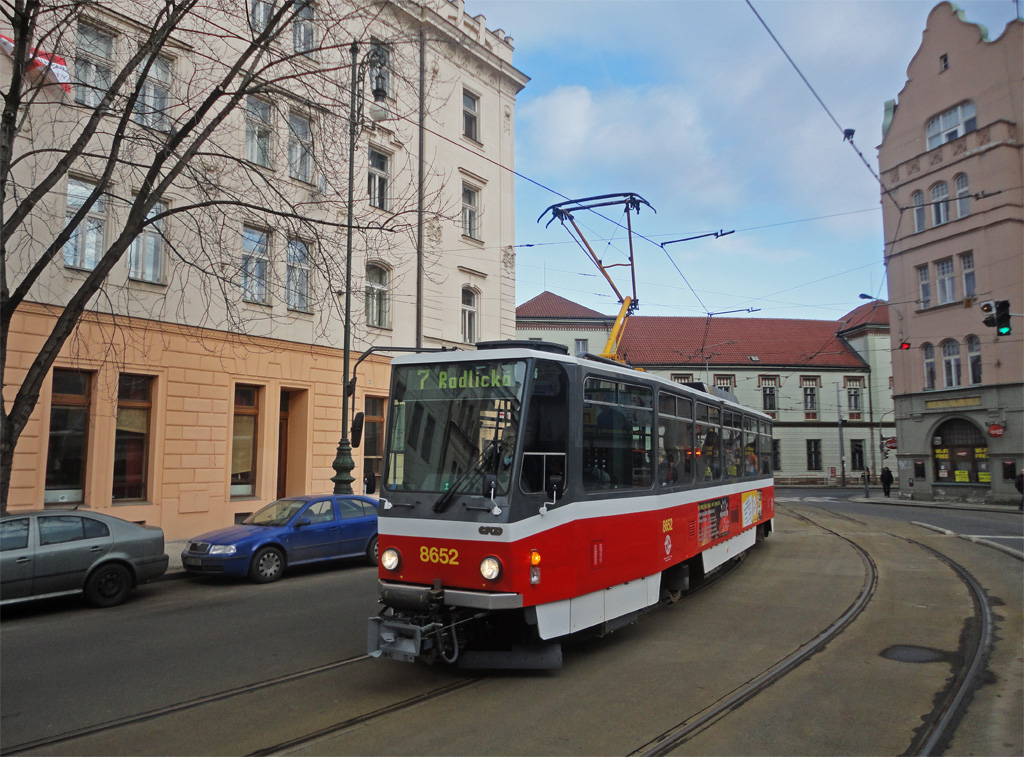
343,462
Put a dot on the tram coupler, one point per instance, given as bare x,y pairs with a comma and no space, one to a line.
397,639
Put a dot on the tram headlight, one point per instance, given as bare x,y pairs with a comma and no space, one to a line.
390,559
490,568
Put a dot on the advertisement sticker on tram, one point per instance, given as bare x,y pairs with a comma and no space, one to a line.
713,520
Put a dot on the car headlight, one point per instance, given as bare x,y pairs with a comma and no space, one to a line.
390,559
223,549
490,568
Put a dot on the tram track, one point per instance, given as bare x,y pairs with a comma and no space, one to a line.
938,726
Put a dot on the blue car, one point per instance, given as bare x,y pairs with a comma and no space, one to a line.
292,531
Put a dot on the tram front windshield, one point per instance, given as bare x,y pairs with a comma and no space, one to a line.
452,424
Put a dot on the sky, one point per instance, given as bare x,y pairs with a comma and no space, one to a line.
693,106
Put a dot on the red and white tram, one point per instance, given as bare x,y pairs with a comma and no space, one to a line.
528,495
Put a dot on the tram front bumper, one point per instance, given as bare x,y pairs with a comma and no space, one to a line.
418,598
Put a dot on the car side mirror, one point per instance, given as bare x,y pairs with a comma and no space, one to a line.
303,522
370,483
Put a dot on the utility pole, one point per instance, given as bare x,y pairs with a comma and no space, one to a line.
842,447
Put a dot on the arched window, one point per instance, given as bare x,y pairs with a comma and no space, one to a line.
468,315
918,200
951,363
963,196
974,359
378,295
940,203
928,354
952,124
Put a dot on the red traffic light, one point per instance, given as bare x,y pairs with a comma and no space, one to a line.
904,345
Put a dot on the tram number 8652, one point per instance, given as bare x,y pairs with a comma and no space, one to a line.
439,555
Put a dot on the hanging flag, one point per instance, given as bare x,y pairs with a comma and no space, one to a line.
53,68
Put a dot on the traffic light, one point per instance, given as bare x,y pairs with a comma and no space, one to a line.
904,345
989,309
1003,318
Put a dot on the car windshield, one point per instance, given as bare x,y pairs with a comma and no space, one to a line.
275,514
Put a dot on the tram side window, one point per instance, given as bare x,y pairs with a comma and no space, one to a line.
618,435
709,463
546,431
732,449
676,453
766,448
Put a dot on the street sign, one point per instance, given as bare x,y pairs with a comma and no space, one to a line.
890,443
996,430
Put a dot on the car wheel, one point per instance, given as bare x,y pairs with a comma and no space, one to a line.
267,565
108,585
371,551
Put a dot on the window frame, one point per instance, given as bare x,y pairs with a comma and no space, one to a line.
928,363
300,148
924,286
470,115
470,314
130,403
952,369
94,68
917,200
147,249
814,460
304,26
470,211
939,193
255,269
967,276
64,400
151,107
297,271
951,124
974,371
259,132
945,282
963,195
378,297
378,179
95,220
244,487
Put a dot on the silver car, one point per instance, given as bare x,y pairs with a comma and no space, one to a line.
51,553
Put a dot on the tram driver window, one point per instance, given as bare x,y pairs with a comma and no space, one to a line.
546,429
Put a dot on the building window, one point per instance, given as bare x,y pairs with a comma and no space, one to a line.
776,454
951,363
468,316
131,440
814,454
146,255
769,393
944,285
856,454
470,212
260,13
854,387
151,107
85,245
974,359
300,148
470,115
377,182
582,347
377,296
963,197
924,287
810,385
954,123
258,131
94,65
928,354
297,284
302,29
919,210
967,269
943,62
940,203
69,437
243,441
373,436
726,382
254,266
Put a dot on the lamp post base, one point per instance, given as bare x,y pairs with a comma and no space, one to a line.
343,465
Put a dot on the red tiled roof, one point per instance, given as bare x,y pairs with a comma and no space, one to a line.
549,305
667,340
875,313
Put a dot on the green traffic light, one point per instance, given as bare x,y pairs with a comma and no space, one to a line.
1003,330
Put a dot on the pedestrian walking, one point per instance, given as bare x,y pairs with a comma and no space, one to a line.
886,479
1019,483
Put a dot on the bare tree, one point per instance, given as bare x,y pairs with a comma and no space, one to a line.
94,164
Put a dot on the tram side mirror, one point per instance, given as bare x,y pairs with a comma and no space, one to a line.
370,483
357,430
554,487
490,486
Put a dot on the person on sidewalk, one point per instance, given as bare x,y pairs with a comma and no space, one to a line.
1019,483
886,479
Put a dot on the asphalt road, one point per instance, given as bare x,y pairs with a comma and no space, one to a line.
68,667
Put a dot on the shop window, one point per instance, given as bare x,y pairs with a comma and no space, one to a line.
131,439
960,454
69,438
244,441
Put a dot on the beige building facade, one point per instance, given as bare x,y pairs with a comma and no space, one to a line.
952,164
205,379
